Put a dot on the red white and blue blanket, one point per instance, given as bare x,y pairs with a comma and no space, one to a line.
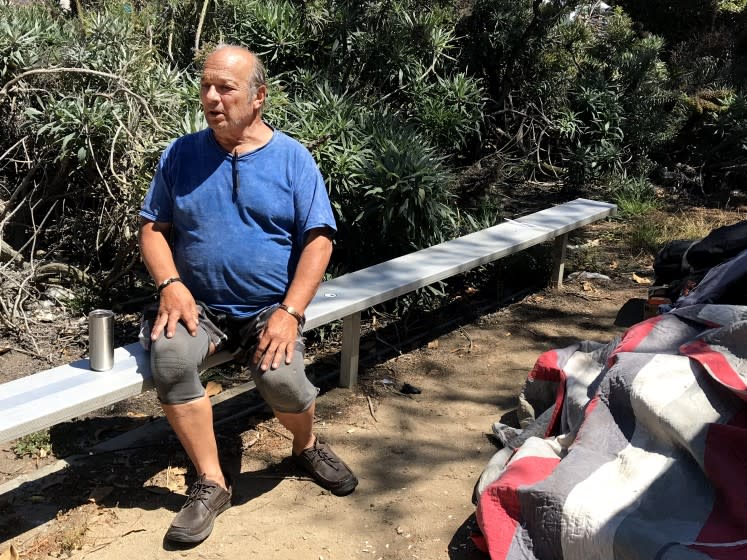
632,450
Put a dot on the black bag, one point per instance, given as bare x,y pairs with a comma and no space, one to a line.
718,246
672,261
681,264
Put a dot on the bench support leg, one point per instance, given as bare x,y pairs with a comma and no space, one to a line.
561,243
351,337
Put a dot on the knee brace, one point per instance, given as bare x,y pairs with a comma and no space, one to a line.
175,365
286,389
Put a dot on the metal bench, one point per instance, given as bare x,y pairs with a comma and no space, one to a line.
49,397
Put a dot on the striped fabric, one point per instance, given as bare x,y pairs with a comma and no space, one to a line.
643,450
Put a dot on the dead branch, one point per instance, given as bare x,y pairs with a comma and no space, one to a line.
19,191
12,82
21,141
466,335
63,270
203,13
8,253
122,179
371,408
32,240
120,79
21,296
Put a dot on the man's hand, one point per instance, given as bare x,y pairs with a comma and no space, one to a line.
276,341
177,304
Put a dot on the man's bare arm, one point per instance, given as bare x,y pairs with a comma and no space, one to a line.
278,339
176,301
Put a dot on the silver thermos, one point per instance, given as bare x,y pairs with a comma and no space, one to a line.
100,342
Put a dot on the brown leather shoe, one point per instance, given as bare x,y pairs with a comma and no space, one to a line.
327,468
194,522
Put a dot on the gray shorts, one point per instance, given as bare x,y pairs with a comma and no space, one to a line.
176,362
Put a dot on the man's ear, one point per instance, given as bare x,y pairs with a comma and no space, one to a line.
260,97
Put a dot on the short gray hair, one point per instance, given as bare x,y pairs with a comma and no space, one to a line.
258,75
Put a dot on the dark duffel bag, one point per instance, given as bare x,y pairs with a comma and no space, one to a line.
672,261
718,246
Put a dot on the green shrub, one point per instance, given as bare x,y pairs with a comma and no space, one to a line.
38,443
389,188
95,110
635,197
678,20
644,236
449,111
275,30
389,95
128,85
715,141
581,96
407,191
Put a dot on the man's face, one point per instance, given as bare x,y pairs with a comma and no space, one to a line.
225,94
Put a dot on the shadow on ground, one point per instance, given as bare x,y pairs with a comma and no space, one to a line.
124,475
461,546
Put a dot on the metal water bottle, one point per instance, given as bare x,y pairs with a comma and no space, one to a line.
100,342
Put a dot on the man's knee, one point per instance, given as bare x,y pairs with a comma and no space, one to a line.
175,365
287,389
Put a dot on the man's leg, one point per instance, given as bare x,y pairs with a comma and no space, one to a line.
292,398
314,455
284,389
175,365
301,425
193,424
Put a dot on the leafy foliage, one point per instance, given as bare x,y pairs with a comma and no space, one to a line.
717,139
38,443
449,111
97,94
388,186
635,197
587,98
96,105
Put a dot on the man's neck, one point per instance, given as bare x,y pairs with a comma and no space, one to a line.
251,138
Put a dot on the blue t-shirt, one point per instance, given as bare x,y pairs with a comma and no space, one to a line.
238,222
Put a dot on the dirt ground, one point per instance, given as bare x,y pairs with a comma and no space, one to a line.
417,456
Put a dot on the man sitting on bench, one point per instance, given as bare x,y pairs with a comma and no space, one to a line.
236,232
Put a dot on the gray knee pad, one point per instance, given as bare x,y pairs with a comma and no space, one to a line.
286,389
175,364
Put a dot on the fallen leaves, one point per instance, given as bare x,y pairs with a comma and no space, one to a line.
588,287
249,438
212,388
171,479
640,279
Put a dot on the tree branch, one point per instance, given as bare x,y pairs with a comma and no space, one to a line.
9,84
120,79
200,24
